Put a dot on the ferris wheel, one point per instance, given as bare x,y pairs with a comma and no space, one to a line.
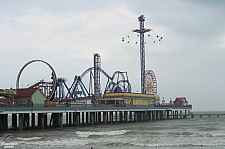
150,82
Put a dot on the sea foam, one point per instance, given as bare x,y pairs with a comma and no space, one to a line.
101,133
26,139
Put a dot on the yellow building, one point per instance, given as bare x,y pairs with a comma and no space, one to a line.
134,99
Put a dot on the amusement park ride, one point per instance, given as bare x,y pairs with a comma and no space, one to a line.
147,76
57,89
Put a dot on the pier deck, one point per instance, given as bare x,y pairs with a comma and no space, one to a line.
44,117
7,110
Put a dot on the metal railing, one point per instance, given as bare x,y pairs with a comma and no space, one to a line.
19,104
68,104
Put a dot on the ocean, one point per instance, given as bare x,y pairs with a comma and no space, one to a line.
190,133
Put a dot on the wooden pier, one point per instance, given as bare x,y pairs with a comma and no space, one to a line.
206,115
45,117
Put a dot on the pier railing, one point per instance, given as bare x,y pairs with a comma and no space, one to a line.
24,105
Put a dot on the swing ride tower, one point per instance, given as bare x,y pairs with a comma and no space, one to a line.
142,31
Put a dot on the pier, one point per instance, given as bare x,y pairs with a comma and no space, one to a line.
44,104
206,115
29,118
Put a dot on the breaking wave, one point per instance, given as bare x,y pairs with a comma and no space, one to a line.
86,134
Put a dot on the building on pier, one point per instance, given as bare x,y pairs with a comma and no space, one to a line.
29,97
6,95
180,101
134,99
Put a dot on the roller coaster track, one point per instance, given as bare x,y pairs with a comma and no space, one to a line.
54,81
103,72
73,87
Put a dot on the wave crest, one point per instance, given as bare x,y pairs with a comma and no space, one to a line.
101,133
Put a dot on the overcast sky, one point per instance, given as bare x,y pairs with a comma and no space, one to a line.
188,62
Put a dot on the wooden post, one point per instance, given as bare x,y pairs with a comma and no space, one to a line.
74,118
46,120
150,115
96,117
70,119
61,120
173,115
92,118
33,120
104,118
145,115
14,121
21,122
159,115
168,114
111,117
116,117
130,115
185,114
78,119
39,120
5,122
82,118
136,116
99,117
181,115
27,120
121,116
87,121
67,119
154,115
125,116
42,121
1,122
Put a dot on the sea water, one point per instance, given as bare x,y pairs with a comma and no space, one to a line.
190,133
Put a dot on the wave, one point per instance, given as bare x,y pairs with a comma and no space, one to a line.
120,144
27,139
185,133
181,145
53,142
214,134
86,134
208,129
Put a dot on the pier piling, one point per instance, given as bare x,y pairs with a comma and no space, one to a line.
60,118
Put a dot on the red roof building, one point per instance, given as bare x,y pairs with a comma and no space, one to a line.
29,95
180,101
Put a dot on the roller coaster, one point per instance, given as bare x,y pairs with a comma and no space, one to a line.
48,88
57,89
